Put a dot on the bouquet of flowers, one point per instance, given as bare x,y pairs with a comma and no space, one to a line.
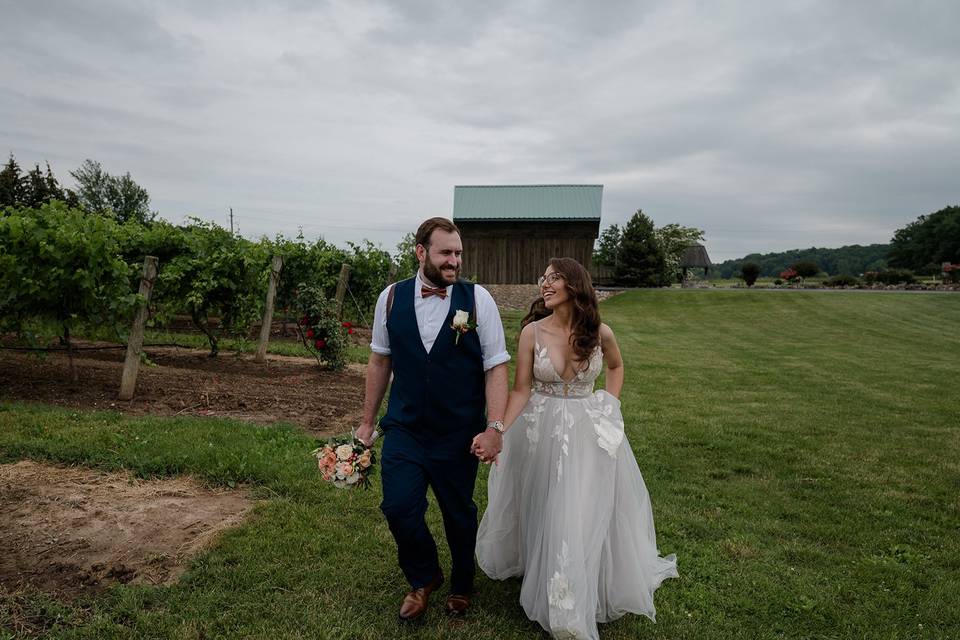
346,462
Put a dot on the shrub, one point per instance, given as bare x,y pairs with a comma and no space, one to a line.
319,328
953,272
750,272
62,265
778,282
890,276
790,275
805,269
216,273
841,281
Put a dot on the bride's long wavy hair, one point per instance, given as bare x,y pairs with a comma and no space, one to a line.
585,335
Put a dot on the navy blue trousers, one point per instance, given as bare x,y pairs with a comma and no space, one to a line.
408,466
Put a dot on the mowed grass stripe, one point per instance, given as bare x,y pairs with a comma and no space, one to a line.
801,450
821,424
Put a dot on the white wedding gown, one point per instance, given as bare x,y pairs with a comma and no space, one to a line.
568,509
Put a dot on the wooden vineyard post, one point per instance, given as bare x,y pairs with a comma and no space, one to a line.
131,366
275,268
345,270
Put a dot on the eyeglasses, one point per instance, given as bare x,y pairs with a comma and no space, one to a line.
550,278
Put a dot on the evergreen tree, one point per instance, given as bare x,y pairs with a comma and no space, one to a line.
640,258
34,190
38,188
605,253
59,193
10,184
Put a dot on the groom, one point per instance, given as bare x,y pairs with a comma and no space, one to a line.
444,381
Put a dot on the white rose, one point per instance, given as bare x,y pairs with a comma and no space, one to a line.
461,318
344,452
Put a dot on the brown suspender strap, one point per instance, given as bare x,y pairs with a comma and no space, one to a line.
389,300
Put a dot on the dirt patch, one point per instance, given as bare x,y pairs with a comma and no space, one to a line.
71,531
188,382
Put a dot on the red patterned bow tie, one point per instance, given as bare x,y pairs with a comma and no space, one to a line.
426,292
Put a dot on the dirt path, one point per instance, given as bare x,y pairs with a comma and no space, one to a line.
188,382
71,530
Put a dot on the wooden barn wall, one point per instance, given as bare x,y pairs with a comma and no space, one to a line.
517,252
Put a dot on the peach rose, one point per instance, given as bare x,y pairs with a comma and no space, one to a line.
364,460
345,469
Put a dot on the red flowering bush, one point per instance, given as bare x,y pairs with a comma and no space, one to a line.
319,328
952,271
790,275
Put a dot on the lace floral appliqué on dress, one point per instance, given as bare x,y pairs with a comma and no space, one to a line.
568,509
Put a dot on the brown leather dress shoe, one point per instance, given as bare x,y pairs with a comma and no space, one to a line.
457,605
415,603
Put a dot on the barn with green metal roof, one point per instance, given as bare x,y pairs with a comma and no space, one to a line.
509,232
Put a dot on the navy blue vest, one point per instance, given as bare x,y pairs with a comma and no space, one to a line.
439,393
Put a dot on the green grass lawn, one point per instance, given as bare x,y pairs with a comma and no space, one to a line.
802,451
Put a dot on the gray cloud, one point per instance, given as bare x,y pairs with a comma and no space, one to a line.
770,127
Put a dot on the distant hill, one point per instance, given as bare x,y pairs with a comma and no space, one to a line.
851,260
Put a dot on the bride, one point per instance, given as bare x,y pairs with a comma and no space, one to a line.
568,509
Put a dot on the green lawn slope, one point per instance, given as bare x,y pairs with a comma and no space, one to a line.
801,451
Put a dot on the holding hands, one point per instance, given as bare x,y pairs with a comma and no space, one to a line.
488,445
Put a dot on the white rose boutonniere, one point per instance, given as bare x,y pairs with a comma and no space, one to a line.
461,324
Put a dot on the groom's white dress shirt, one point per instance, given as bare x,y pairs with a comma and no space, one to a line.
432,313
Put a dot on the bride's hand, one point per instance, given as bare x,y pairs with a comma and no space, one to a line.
483,450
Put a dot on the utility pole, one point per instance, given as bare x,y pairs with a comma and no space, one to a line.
231,220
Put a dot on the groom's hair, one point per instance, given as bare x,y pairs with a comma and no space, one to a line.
429,226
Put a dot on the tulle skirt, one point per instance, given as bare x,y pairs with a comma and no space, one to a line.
568,510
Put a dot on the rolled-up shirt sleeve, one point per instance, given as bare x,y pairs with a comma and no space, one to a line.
380,341
489,329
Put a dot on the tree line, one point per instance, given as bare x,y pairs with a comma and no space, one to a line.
853,260
643,255
115,196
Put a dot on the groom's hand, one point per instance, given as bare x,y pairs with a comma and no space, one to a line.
365,434
487,446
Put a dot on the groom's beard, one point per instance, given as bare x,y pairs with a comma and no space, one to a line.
436,276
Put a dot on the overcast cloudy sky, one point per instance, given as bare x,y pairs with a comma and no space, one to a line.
768,125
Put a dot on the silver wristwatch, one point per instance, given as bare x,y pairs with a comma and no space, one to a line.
496,425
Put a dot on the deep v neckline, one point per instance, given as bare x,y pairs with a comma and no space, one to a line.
553,365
